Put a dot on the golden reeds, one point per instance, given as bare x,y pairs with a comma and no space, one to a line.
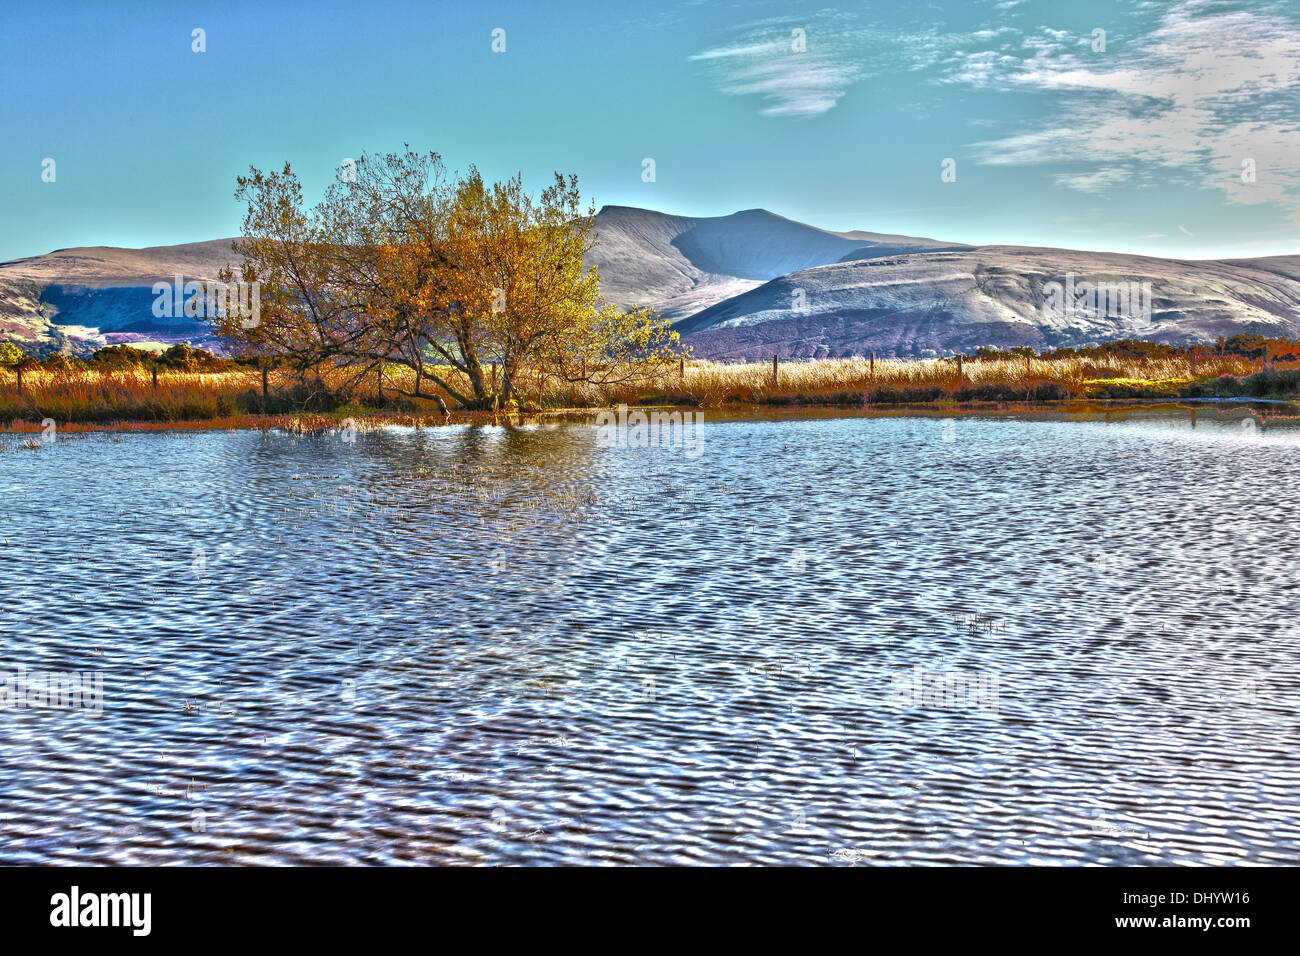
102,396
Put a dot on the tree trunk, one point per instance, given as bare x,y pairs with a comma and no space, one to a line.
474,372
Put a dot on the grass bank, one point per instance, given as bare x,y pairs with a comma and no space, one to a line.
94,397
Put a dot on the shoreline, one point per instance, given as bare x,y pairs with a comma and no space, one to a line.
305,423
98,395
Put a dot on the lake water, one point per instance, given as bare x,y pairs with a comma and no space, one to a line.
834,640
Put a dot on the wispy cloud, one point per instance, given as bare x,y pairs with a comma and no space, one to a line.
799,74
1094,181
1191,99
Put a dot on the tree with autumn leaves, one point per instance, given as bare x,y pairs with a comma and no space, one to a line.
402,264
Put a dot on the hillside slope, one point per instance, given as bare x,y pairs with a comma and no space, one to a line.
680,264
76,300
732,284
945,302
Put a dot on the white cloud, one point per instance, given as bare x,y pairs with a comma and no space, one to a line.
764,63
1190,100
1095,181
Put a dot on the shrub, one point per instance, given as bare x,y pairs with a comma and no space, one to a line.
121,356
1050,392
11,354
59,362
185,358
1272,382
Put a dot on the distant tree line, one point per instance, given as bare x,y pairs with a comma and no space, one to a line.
1245,345
180,358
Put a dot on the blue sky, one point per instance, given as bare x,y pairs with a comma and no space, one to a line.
1136,147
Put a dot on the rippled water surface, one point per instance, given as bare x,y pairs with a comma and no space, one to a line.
840,640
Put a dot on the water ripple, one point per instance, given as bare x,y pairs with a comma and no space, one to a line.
844,641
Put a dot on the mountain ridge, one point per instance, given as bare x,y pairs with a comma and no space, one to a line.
681,264
927,304
744,285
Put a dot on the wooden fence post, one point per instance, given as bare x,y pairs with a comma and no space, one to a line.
380,379
265,386
960,376
19,370
873,363
681,369
774,371
155,377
